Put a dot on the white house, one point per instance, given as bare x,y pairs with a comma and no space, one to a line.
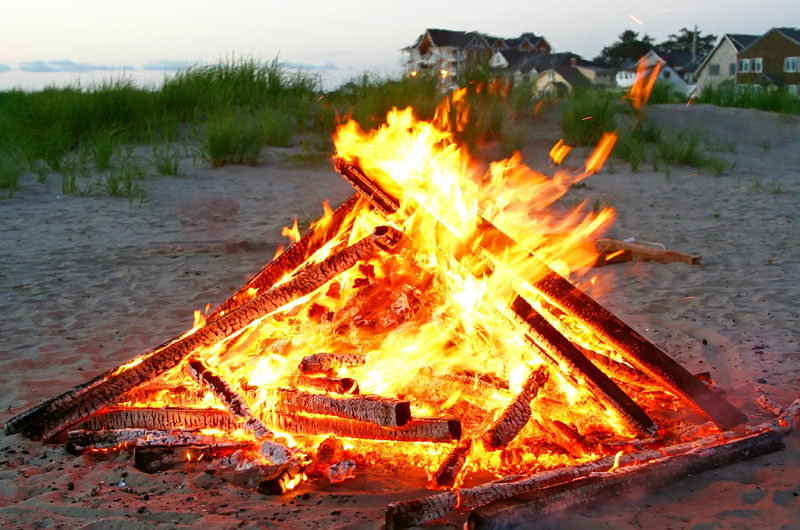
667,74
719,66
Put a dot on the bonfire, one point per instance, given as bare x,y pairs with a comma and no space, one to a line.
438,319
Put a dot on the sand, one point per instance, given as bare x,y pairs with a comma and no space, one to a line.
88,282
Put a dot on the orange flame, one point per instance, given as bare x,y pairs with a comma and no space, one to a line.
646,77
559,151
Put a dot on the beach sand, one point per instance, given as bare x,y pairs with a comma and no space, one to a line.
89,282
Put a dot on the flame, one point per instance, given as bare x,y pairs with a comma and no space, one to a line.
434,322
646,77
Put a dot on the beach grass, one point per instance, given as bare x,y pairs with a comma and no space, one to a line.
232,137
774,99
590,113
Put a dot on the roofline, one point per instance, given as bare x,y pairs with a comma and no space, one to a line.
712,52
764,35
780,30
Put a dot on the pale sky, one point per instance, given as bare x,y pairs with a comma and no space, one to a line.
40,40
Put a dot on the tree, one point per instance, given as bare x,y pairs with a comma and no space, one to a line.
629,46
683,41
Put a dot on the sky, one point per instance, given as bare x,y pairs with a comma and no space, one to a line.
56,41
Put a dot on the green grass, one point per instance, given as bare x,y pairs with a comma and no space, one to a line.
165,160
233,137
588,114
764,98
11,169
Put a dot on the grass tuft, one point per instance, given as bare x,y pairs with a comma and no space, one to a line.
233,137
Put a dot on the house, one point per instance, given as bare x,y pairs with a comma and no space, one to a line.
563,72
446,52
668,74
719,66
773,59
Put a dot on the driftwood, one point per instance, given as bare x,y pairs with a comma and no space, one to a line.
418,511
572,362
516,415
445,476
442,430
646,252
323,363
292,257
337,385
520,511
54,415
80,441
638,351
379,410
155,458
160,419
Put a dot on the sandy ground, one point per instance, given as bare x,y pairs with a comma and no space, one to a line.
88,282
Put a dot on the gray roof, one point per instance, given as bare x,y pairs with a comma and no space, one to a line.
792,33
740,40
462,39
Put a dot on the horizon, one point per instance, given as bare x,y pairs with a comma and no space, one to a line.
85,42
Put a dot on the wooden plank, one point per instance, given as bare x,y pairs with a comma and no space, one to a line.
520,511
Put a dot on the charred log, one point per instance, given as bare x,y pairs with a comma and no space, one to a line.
519,511
323,363
443,430
155,458
337,385
81,441
451,466
54,415
516,415
160,419
621,371
379,410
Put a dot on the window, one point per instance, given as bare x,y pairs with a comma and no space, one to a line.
744,65
732,69
667,74
713,70
790,64
757,65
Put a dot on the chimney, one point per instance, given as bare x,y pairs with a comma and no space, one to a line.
573,61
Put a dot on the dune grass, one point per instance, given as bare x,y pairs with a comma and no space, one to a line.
590,113
773,99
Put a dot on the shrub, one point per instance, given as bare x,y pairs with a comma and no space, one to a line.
588,114
233,137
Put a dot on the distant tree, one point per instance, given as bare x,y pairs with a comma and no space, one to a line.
682,42
629,46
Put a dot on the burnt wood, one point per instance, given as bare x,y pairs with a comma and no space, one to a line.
638,351
445,476
56,414
337,385
516,414
380,410
440,430
155,458
160,419
325,362
80,441
520,511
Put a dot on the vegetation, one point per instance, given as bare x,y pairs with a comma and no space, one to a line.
588,114
629,46
779,99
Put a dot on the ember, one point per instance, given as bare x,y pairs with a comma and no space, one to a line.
428,321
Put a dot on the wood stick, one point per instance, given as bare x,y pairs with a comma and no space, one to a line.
445,476
80,441
520,511
572,362
155,458
566,437
379,410
620,371
337,385
639,351
174,396
277,453
56,414
418,511
516,414
160,419
438,430
646,252
324,362
340,220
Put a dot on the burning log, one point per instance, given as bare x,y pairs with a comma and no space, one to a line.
171,396
54,415
379,410
81,441
337,385
519,511
290,474
558,290
516,415
442,430
155,458
276,453
323,363
645,252
566,437
418,511
451,466
292,257
571,361
160,419
621,371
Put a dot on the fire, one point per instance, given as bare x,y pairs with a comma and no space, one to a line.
431,323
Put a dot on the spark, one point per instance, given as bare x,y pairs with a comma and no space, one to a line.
660,12
586,118
614,254
636,19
